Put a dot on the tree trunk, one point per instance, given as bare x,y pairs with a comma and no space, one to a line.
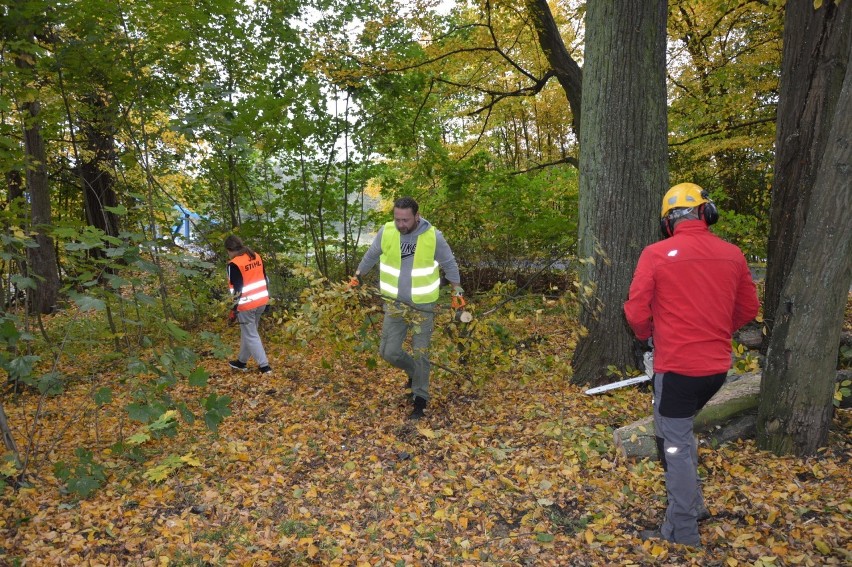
568,72
816,43
798,384
6,433
15,185
623,171
96,172
41,259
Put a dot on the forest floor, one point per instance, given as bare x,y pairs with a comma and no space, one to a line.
318,465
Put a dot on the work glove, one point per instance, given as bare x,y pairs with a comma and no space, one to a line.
457,301
232,316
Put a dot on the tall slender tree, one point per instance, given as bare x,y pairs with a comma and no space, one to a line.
26,20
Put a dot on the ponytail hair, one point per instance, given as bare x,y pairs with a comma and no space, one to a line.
234,243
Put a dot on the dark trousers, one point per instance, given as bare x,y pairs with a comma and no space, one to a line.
677,399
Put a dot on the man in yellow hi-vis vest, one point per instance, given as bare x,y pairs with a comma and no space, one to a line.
410,253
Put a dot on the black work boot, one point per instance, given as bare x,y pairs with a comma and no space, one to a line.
419,406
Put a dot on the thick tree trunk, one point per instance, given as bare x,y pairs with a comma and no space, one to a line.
798,383
623,171
816,43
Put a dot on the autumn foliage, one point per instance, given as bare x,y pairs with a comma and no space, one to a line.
317,464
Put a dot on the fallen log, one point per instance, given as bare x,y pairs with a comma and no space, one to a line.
731,414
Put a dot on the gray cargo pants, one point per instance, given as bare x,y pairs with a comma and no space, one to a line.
250,344
677,399
399,320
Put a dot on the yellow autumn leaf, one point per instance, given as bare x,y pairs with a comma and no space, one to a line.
590,536
773,515
138,439
426,432
822,547
191,460
508,483
8,468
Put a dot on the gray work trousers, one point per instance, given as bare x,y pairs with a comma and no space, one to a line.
399,320
250,344
680,450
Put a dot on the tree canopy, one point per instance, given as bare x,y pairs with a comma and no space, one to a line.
538,136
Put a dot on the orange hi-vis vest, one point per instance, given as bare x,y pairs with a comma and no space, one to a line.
254,293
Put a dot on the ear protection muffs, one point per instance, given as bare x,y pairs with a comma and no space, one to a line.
666,228
706,211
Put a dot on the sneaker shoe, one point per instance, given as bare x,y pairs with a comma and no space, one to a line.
419,406
237,365
265,369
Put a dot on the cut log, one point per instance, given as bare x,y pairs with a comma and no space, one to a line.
731,414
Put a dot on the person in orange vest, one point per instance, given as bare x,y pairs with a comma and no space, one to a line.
250,289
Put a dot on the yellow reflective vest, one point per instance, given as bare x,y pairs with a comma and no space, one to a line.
425,273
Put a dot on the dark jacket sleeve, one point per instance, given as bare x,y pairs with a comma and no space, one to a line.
235,277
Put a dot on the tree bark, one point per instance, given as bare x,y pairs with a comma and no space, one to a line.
96,172
42,258
568,72
816,43
798,384
623,171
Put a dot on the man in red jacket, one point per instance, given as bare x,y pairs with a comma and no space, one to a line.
689,293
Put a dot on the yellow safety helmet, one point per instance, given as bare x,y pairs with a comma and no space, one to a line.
686,196
683,195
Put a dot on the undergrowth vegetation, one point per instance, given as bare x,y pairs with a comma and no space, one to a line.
152,451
